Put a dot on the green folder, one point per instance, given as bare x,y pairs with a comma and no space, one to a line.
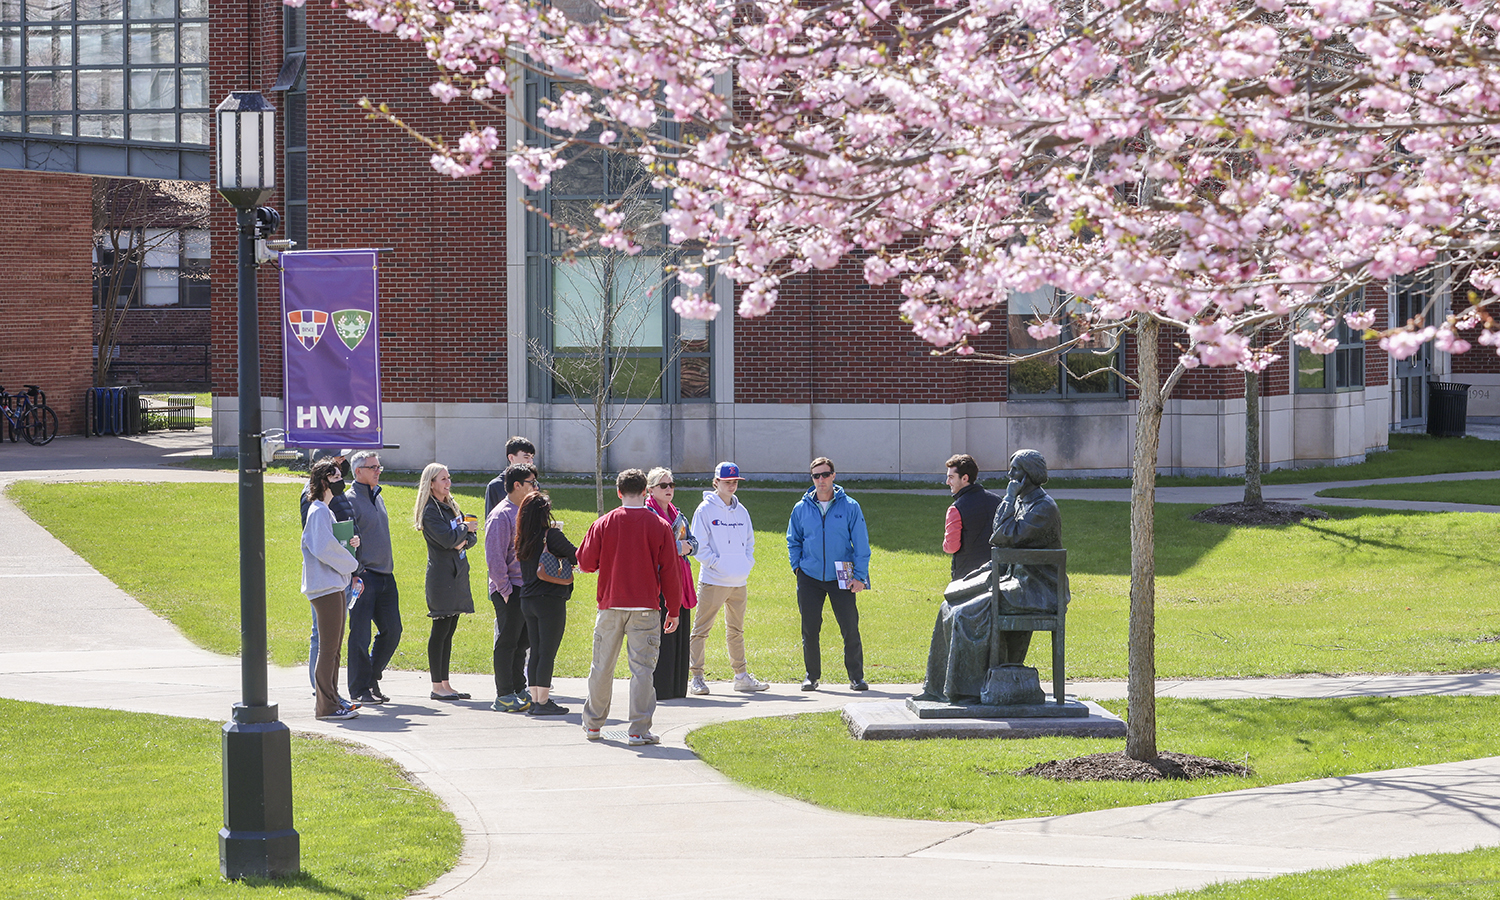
344,531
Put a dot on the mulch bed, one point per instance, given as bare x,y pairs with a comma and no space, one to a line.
1269,513
1119,767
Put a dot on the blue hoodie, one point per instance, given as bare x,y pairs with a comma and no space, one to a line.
815,541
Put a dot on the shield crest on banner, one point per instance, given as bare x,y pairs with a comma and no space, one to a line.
308,325
351,325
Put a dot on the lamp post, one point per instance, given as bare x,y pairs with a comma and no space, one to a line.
257,839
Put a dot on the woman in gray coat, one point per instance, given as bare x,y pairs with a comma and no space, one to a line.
449,534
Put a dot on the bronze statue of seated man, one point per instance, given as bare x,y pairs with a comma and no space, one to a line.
966,643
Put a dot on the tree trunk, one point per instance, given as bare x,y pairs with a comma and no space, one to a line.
1140,733
1252,439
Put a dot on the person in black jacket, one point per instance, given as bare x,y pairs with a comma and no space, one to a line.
966,532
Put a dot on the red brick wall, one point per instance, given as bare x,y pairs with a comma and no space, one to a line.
162,347
442,288
46,288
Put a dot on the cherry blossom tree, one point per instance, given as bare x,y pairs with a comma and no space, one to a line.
1202,169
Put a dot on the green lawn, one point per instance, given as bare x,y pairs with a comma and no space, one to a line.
813,758
1364,591
1482,491
102,805
1474,875
1409,454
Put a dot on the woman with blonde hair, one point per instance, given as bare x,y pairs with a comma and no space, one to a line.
449,534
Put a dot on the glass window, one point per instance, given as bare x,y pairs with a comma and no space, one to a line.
193,45
153,9
10,92
194,128
49,10
1077,373
49,46
97,10
153,89
598,313
100,45
101,89
102,126
153,44
1344,368
154,127
49,91
10,46
194,89
10,124
10,10
49,124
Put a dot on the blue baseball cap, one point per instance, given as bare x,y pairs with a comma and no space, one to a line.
727,471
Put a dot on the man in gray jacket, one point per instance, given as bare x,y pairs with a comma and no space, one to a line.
380,602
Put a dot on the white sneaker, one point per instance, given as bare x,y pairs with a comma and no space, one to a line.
342,714
749,683
697,685
642,740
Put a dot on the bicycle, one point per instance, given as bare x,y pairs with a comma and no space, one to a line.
29,415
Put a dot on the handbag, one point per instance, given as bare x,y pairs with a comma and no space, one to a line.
553,570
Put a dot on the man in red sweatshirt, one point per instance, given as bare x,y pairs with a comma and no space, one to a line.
635,553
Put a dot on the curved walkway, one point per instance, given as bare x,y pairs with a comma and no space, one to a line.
526,790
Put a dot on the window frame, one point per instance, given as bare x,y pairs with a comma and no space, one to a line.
1066,387
686,346
1344,369
47,95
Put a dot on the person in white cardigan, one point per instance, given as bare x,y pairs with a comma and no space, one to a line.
326,569
726,554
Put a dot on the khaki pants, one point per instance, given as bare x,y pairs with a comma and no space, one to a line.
712,597
640,631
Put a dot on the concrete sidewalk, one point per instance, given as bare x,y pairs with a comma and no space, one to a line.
526,790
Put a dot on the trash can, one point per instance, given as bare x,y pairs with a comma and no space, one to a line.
1447,409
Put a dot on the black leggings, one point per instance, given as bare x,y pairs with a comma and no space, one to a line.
546,620
440,647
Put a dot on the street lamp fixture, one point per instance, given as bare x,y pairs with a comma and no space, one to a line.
257,839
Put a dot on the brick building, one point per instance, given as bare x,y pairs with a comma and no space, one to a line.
472,284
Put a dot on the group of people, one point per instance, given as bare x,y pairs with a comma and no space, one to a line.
645,592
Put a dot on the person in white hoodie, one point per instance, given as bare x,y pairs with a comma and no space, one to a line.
726,554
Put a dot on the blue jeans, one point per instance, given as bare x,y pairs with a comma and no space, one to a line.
380,605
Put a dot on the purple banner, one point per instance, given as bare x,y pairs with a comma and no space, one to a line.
330,348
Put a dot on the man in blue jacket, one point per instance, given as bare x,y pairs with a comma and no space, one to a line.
826,534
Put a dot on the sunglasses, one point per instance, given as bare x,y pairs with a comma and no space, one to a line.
666,484
821,475
374,468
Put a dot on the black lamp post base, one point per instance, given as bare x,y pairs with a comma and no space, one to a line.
258,840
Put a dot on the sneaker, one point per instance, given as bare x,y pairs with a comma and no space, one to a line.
511,703
641,740
550,708
591,734
858,685
345,704
749,683
342,714
697,685
368,698
809,683
379,697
